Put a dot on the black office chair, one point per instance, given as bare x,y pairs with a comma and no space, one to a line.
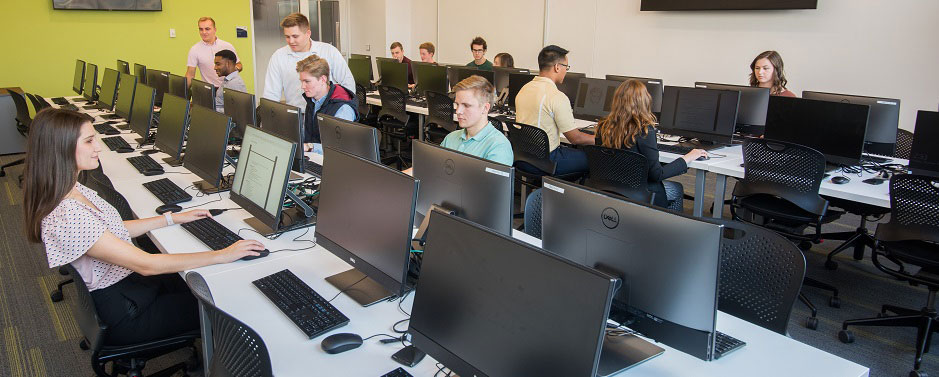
911,237
904,144
364,109
761,275
530,147
439,122
129,359
38,102
23,121
395,122
618,171
779,191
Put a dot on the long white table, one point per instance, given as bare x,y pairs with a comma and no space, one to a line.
292,354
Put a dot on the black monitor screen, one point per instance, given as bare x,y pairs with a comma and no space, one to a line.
240,107
882,124
516,82
140,71
203,94
924,155
655,87
594,98
125,97
90,82
79,77
466,72
173,122
708,115
108,92
142,115
361,69
430,77
500,76
159,81
751,111
209,131
347,211
350,137
177,86
393,73
833,128
490,305
571,84
284,121
123,67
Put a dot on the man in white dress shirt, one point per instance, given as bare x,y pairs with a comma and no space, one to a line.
202,54
282,80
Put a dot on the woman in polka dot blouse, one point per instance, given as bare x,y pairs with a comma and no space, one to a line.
139,295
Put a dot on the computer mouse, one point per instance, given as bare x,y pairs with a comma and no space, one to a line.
840,180
150,151
702,158
124,149
217,211
874,181
168,208
263,253
341,342
153,172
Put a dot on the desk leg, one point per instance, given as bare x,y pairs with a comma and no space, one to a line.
719,188
206,338
699,179
420,127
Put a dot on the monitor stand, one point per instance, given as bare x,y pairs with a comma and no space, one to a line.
141,141
296,215
623,352
698,144
208,188
359,287
173,161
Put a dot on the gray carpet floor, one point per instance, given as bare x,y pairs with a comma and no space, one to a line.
40,338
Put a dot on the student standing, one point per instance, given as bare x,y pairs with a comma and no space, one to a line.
202,54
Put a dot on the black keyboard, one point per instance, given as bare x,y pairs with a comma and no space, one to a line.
313,168
590,130
415,101
69,106
110,116
725,344
875,159
306,308
400,372
60,101
116,142
144,163
674,148
106,129
167,191
214,235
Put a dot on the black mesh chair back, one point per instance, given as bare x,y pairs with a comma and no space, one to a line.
393,102
38,102
86,316
440,111
360,93
238,351
904,144
101,184
618,171
914,201
785,170
530,146
22,117
761,275
199,287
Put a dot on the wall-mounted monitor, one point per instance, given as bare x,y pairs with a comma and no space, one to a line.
679,5
154,5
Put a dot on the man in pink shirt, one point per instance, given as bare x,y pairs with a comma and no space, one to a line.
202,54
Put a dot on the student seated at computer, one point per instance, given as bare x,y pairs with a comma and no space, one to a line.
539,103
138,295
225,68
427,52
397,52
478,47
766,71
503,59
632,126
321,96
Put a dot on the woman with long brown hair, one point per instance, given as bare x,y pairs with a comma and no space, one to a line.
136,293
766,71
632,126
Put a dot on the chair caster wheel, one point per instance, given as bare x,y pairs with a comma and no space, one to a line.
834,302
55,295
811,323
846,336
918,373
83,345
3,173
805,245
831,265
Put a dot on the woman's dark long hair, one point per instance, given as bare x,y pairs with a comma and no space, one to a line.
779,76
51,170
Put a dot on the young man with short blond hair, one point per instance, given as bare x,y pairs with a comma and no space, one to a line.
202,54
321,96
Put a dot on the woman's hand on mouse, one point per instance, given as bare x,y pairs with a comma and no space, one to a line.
693,155
193,215
240,250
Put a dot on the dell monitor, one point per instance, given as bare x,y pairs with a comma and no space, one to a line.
571,84
473,188
654,86
708,115
466,72
490,305
108,93
140,71
836,129
594,98
751,111
141,118
90,82
668,263
125,97
79,77
393,73
123,67
177,86
374,239
350,137
260,183
516,82
882,124
453,72
172,131
430,77
500,77
209,131
240,107
286,122
203,94
361,68
159,81
924,156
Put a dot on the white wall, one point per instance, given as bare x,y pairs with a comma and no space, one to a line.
513,26
367,28
423,26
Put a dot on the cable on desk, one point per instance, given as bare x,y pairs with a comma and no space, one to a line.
394,327
347,288
440,369
295,239
402,301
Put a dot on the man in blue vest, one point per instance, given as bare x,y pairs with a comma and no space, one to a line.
321,96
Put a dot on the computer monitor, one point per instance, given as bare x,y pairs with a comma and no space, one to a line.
571,84
924,156
90,82
140,71
141,118
374,239
490,305
350,137
668,262
260,183
708,115
654,86
500,77
361,68
836,129
79,79
203,94
108,93
882,124
393,73
466,72
159,81
751,111
123,67
594,98
473,188
430,77
516,82
174,118
240,107
177,86
124,107
453,73
209,131
284,121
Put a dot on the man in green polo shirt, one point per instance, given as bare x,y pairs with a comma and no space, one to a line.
478,46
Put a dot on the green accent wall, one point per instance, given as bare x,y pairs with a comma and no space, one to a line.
40,44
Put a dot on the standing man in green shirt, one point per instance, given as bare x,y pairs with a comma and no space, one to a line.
478,46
